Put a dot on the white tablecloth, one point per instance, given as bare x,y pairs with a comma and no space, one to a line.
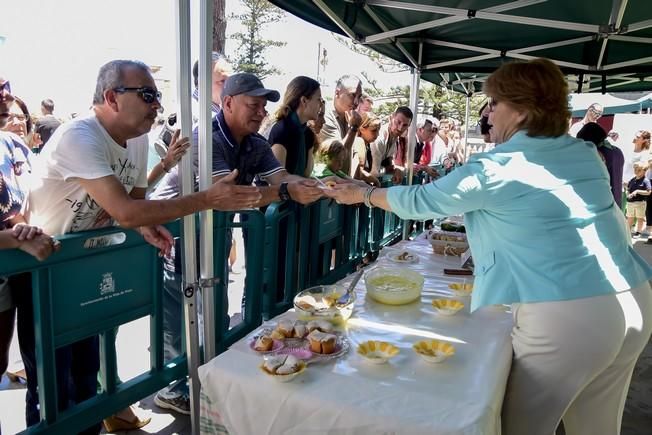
462,395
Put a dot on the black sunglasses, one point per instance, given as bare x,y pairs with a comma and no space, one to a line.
149,95
5,87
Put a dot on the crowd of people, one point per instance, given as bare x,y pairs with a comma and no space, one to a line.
91,172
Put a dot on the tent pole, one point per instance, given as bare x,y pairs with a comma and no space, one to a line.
187,186
412,135
205,178
466,124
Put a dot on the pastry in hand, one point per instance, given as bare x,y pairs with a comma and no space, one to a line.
320,325
322,342
264,343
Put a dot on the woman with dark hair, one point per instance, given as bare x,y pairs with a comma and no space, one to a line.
20,123
611,155
291,140
580,296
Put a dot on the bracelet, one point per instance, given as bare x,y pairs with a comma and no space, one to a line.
163,165
354,128
367,197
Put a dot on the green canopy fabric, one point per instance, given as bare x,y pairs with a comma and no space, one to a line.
602,45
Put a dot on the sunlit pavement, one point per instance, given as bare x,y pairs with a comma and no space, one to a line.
133,359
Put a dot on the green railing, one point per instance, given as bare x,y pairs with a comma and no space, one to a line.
103,279
89,288
253,222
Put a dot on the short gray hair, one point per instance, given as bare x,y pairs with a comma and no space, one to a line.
111,76
348,82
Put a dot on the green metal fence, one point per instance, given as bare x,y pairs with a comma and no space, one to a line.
90,288
106,278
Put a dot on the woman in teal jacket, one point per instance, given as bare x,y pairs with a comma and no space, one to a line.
548,238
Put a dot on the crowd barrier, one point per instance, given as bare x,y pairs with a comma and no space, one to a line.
106,278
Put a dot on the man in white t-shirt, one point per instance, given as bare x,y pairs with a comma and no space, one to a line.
93,173
442,147
593,113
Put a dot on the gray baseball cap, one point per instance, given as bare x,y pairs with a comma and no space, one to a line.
248,84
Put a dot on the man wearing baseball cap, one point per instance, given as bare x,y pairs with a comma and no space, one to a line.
237,145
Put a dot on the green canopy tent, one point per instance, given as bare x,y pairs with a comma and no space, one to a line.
602,45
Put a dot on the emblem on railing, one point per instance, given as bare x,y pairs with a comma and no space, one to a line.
108,284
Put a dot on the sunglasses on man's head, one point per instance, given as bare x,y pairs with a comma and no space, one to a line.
148,95
5,87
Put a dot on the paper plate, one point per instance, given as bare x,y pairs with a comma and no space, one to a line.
461,289
447,307
285,378
403,256
433,351
377,352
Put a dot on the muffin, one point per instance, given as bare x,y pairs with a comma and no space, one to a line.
286,327
264,343
320,325
322,342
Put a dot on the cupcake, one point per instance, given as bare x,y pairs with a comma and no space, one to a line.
322,342
264,343
300,330
286,327
320,325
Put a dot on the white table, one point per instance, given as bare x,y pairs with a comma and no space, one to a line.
462,395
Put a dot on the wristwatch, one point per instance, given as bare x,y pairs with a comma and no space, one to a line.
283,192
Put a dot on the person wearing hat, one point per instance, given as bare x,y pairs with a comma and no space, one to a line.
236,145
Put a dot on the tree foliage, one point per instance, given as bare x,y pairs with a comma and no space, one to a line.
250,54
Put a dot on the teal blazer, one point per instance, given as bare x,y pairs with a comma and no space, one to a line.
541,221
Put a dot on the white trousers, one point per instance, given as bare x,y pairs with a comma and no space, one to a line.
573,360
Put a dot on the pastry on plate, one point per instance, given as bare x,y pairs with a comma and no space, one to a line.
320,325
264,343
300,329
286,327
322,342
282,365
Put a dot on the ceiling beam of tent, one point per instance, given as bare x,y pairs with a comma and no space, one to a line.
444,21
475,79
615,20
553,44
613,85
627,63
516,54
470,13
626,38
336,19
579,66
400,46
637,26
459,61
461,46
466,91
